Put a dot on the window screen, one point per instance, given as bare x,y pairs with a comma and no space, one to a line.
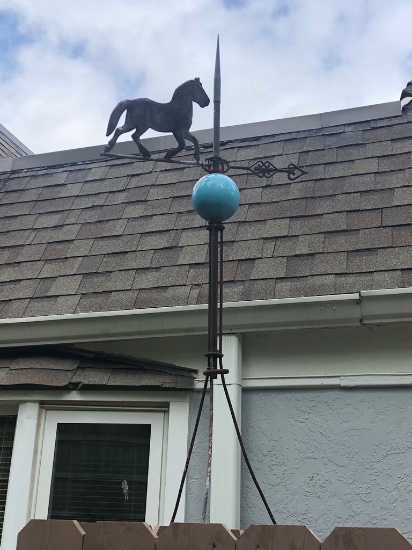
7,429
100,472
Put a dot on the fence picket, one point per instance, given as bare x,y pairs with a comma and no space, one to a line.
278,537
51,534
113,535
196,536
365,538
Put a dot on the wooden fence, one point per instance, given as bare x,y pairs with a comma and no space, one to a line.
72,535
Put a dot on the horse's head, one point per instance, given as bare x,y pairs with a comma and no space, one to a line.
199,95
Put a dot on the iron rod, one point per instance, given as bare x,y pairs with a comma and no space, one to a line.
216,113
214,229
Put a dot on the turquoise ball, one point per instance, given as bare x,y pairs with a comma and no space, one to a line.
215,197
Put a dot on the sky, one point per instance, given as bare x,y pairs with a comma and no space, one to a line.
64,65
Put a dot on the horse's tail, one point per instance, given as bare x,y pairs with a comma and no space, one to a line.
116,114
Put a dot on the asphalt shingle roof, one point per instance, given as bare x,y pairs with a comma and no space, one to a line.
63,369
119,234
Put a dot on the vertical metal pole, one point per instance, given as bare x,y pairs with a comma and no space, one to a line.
213,229
216,113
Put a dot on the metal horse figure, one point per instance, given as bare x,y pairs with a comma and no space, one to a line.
175,117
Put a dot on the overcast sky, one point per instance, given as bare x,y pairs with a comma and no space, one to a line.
64,65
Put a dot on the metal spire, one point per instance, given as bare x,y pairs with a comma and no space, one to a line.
216,114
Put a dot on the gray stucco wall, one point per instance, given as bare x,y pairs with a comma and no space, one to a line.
196,476
329,457
323,457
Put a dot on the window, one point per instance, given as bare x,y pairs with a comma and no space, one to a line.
100,472
7,429
101,465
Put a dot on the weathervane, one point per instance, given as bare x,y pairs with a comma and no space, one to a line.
176,117
215,198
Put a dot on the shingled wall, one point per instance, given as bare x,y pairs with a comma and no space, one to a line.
10,147
113,235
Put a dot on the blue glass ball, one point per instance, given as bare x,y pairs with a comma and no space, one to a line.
215,197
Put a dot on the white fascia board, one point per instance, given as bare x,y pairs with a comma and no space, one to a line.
313,382
367,307
111,398
319,311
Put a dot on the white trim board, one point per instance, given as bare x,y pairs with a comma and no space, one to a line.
344,381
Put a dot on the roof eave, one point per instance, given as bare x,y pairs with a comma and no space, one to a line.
364,308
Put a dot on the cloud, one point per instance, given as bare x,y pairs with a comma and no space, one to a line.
67,64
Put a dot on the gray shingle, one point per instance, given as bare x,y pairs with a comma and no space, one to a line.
276,228
244,270
165,239
353,282
308,244
398,178
363,219
13,308
272,210
63,249
103,186
62,266
167,257
398,215
395,162
89,264
102,213
148,224
178,189
315,264
20,271
318,224
317,157
101,282
376,199
243,250
335,203
402,196
193,255
63,286
165,276
318,285
378,237
160,206
101,229
53,234
269,268
287,191
379,259
17,223
402,236
18,289
163,297
50,220
51,178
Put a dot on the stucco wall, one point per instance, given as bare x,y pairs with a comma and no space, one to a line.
196,477
329,457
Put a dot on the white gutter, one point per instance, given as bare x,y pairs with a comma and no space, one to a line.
367,307
320,311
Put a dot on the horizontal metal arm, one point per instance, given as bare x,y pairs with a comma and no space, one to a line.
261,168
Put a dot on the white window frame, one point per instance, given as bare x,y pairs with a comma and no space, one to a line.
24,487
156,420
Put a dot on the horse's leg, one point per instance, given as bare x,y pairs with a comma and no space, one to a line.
179,136
136,138
192,138
127,127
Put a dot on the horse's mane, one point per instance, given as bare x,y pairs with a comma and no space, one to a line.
180,88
